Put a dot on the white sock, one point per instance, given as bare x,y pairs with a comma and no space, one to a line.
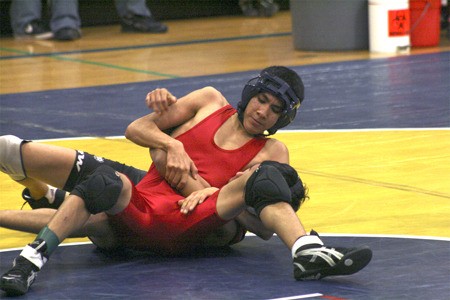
50,195
34,256
305,240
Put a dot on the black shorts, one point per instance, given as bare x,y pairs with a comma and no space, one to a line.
86,163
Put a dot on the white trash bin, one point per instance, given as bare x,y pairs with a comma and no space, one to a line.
389,26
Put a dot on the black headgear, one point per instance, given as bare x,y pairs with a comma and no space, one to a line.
274,85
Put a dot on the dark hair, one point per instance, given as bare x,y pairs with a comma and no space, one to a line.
299,195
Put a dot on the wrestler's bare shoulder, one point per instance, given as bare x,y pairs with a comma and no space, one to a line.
213,96
273,150
208,100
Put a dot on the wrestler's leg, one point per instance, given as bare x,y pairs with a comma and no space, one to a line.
97,227
76,211
278,217
47,163
31,221
22,159
34,165
105,190
37,189
265,189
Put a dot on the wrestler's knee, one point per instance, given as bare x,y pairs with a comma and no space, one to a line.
11,158
271,183
102,190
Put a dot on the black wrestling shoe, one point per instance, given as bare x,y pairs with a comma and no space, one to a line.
315,261
43,202
143,24
18,280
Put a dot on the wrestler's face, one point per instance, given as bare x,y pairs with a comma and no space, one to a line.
261,113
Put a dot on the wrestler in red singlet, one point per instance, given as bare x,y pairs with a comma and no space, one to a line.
153,219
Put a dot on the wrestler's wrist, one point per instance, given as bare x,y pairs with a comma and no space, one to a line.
173,144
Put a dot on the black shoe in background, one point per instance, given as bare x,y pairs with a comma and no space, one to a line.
35,30
143,24
67,34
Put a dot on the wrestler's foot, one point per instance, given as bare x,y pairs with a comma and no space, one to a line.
315,261
57,195
19,278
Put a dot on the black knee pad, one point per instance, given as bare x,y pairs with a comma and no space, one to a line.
298,192
85,164
271,183
266,186
100,190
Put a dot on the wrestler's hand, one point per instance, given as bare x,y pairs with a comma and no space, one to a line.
179,166
159,100
189,203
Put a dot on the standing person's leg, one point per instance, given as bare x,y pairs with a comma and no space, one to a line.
273,194
65,21
23,12
136,17
26,19
136,7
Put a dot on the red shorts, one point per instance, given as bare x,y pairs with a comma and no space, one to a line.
153,221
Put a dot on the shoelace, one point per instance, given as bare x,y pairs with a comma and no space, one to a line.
325,253
27,199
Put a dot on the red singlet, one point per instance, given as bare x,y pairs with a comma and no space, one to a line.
153,221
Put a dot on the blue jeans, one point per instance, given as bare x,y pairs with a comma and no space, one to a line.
64,14
136,7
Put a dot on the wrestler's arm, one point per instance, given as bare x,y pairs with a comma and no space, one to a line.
220,237
192,184
148,132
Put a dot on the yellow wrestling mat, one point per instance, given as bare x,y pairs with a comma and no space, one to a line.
387,182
